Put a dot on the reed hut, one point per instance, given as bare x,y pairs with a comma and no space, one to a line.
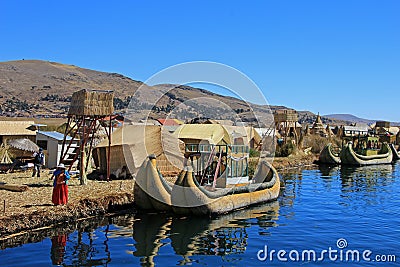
246,135
318,128
12,130
131,144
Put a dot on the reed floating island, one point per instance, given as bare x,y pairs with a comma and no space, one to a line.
198,193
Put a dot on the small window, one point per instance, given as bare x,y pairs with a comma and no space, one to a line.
42,144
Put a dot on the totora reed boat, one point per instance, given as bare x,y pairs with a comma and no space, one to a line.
187,196
382,156
329,155
396,154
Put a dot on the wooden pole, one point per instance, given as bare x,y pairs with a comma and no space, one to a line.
92,130
82,160
109,151
64,139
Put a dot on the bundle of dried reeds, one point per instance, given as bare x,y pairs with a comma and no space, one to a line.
14,187
92,103
4,154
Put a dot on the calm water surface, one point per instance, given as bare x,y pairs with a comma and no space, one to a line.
337,208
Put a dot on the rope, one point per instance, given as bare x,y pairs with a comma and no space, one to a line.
208,163
217,170
237,159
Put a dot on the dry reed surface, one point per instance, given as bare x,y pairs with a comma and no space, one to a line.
33,208
294,161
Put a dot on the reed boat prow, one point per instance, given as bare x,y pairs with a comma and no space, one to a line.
396,154
151,190
328,156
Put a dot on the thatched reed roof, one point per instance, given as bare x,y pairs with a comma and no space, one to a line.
246,132
24,144
213,133
16,128
222,122
92,103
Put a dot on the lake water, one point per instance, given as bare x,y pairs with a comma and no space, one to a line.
341,214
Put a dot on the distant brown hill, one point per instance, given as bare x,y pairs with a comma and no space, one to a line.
35,88
42,88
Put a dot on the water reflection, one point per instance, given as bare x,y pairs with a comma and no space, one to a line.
148,231
293,182
327,171
357,203
190,236
369,178
58,244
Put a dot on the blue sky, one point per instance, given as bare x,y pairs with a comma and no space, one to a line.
323,56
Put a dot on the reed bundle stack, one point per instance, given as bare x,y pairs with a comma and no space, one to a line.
92,103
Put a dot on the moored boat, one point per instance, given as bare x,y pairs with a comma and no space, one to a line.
349,157
396,154
329,156
187,196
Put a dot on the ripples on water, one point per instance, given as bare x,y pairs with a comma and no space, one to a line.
317,207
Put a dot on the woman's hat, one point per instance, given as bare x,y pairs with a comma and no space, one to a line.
61,166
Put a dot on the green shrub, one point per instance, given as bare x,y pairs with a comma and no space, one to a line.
252,166
285,150
317,143
254,153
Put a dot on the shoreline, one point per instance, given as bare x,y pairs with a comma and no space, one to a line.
293,162
34,212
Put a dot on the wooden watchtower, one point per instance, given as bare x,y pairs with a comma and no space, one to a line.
88,112
286,121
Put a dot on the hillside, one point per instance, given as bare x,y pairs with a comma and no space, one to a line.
34,88
43,89
349,117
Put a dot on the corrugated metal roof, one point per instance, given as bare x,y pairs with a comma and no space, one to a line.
16,128
170,122
263,131
55,135
356,128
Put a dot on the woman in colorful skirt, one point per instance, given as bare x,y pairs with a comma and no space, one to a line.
60,190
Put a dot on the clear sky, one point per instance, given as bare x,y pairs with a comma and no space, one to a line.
338,56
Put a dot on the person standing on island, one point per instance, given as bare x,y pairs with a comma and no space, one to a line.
38,162
60,189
